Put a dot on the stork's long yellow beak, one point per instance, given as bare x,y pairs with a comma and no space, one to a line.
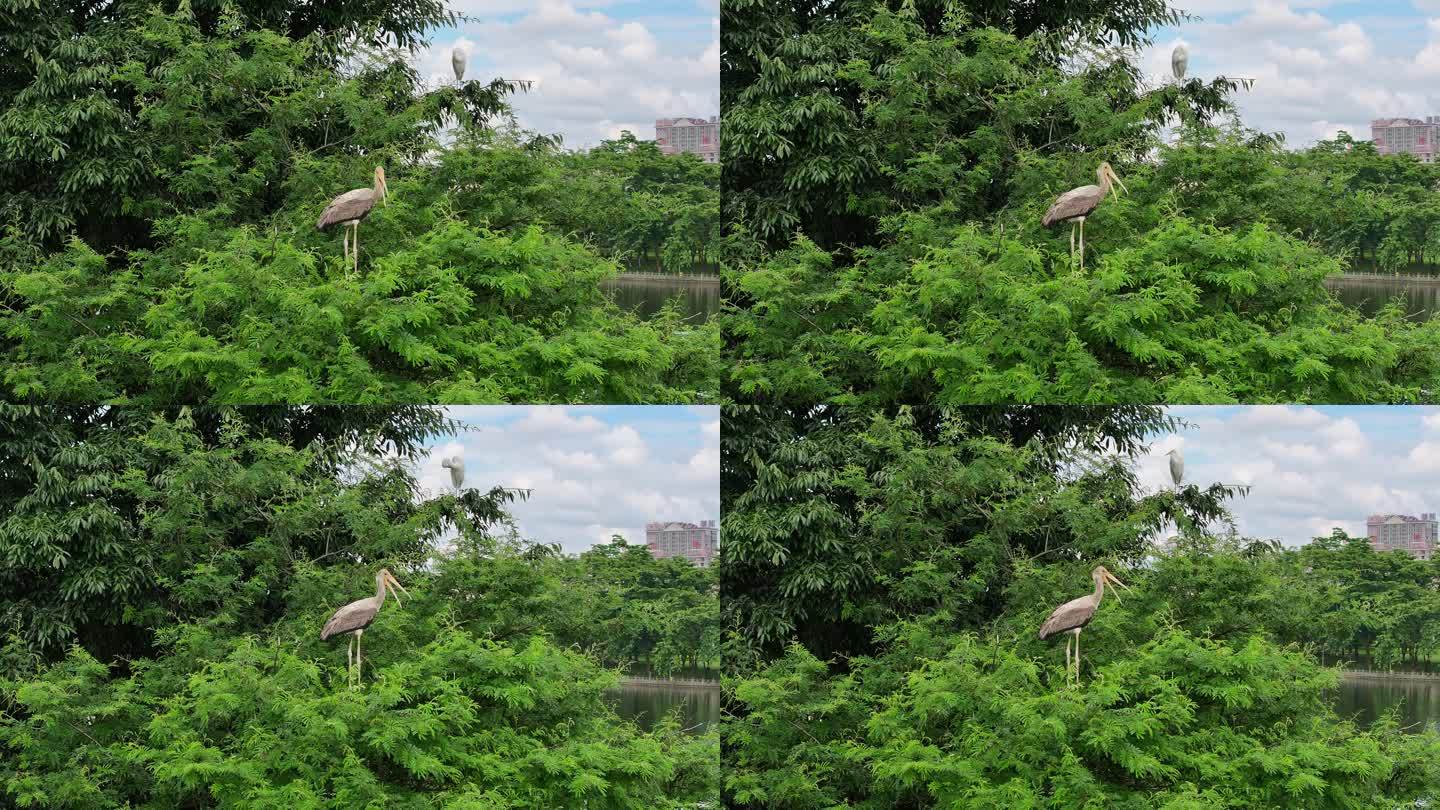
1118,182
394,583
1109,577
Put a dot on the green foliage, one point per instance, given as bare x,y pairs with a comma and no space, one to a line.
624,197
447,720
1172,311
1168,721
1350,602
115,522
616,602
185,266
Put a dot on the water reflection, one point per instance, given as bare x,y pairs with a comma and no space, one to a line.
1420,296
1364,699
645,703
699,295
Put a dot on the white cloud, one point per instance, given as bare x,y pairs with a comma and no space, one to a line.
1425,457
1292,452
557,420
626,446
1281,416
1346,438
1352,45
635,42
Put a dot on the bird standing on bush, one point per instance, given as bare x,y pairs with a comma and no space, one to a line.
356,616
349,208
1077,203
1075,614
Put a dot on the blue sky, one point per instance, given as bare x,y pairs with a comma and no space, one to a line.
1320,66
1309,468
595,471
600,66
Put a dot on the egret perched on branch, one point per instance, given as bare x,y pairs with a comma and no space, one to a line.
457,62
1075,614
356,616
456,466
349,208
1177,466
1179,59
1076,204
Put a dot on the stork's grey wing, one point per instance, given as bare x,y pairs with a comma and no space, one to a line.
350,205
1072,614
1076,202
353,616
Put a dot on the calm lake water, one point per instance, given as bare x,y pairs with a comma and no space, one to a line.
699,295
1368,294
645,703
1365,699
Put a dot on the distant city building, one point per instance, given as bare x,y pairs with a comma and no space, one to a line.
1411,136
697,543
1416,536
694,135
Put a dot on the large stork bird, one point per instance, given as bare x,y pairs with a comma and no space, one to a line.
1075,614
456,466
356,616
1177,466
1077,203
349,208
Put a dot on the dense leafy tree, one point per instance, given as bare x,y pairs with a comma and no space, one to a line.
838,113
837,521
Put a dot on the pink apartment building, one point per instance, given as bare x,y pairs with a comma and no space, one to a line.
698,543
1414,535
694,135
1393,136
